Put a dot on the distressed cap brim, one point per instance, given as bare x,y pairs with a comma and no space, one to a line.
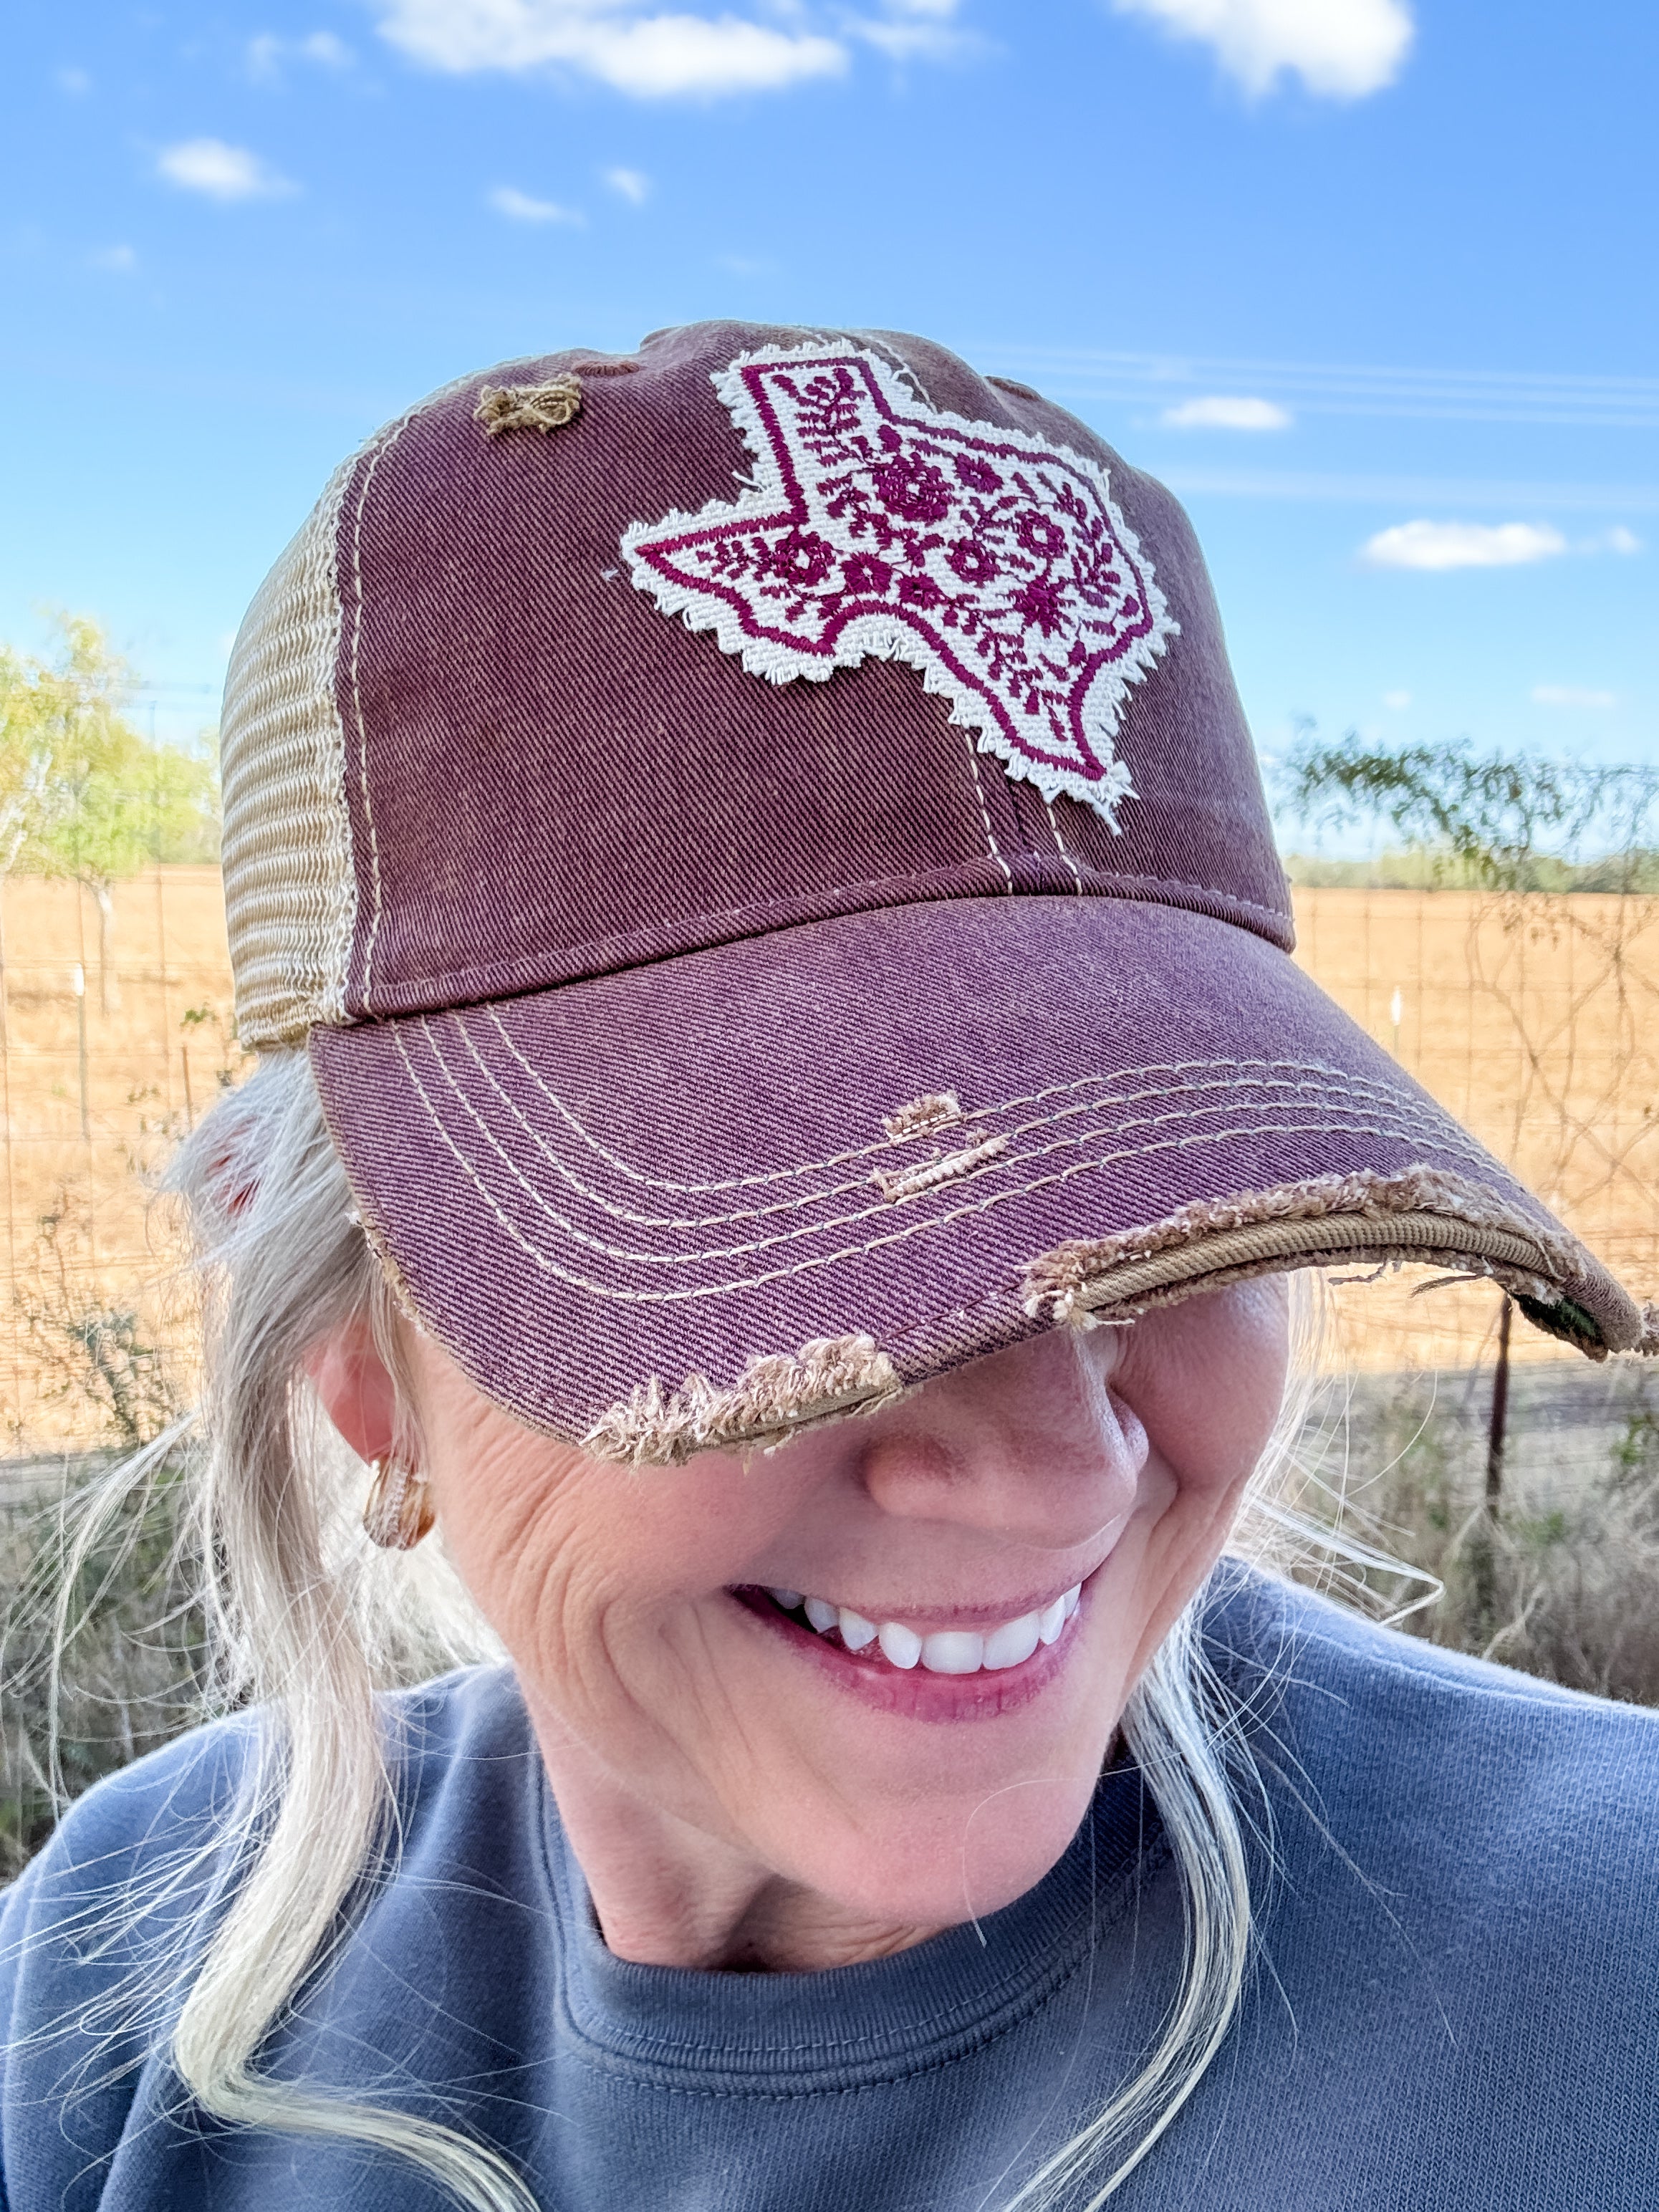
708,1202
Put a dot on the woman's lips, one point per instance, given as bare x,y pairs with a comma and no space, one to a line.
964,1688
959,1644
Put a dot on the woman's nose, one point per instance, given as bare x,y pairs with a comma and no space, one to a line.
1031,1444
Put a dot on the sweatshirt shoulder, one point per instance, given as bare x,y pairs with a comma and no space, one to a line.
1267,1631
99,1935
175,1799
142,1849
1425,1751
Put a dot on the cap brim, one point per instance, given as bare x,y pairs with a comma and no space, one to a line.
710,1201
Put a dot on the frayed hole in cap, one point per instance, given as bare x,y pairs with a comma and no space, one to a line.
547,406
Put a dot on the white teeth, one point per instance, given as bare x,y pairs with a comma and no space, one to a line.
953,1651
855,1631
902,1645
946,1650
1016,1640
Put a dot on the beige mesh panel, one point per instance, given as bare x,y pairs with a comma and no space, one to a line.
289,890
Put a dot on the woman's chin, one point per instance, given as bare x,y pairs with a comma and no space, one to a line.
912,1798
920,1865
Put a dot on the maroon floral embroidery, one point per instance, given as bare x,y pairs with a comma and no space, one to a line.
913,489
978,476
802,557
1041,603
1040,534
992,560
974,562
862,572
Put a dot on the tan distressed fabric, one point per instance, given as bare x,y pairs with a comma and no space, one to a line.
289,890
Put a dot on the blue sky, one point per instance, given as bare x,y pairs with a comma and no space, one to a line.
1370,282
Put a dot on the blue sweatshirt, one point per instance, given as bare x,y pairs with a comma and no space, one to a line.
1456,2003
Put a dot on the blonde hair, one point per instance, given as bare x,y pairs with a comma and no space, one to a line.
308,1622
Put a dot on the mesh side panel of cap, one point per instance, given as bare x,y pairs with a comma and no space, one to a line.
290,891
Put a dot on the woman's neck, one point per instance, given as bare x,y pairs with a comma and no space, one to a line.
668,1893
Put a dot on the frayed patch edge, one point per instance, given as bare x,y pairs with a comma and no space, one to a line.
778,1395
1424,1214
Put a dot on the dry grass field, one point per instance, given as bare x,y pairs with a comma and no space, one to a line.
1535,1019
99,1074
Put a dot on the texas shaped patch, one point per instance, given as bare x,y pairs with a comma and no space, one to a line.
994,562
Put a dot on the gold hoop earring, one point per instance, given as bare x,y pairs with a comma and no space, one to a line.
399,1511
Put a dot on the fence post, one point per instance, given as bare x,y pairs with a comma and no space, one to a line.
78,985
1498,1426
1483,1551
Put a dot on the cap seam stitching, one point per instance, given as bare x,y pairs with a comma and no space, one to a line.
1396,1126
381,448
1382,1097
985,815
481,985
1399,1132
1314,1067
1061,847
923,1224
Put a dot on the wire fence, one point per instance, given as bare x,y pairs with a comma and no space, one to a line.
1532,1017
116,1033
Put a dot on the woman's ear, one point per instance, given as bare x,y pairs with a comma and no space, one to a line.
356,1389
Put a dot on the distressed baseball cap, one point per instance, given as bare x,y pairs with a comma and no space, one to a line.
761,843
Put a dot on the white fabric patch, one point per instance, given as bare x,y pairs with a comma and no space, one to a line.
994,562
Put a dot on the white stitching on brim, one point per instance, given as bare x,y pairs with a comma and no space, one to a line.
1315,1068
922,1224
1345,1091
1336,1103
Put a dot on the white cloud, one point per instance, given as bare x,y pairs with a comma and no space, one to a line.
119,260
1461,545
632,184
75,82
1568,695
1396,702
1220,412
914,30
221,172
1616,540
1342,49
266,53
651,57
520,207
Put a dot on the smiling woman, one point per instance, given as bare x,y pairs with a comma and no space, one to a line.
760,1240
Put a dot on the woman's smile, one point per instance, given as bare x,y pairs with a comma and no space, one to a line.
958,1671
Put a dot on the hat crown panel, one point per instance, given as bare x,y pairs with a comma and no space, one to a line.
495,764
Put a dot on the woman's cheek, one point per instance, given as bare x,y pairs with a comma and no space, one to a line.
1207,1378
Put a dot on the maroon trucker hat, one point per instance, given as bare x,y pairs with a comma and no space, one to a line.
761,842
